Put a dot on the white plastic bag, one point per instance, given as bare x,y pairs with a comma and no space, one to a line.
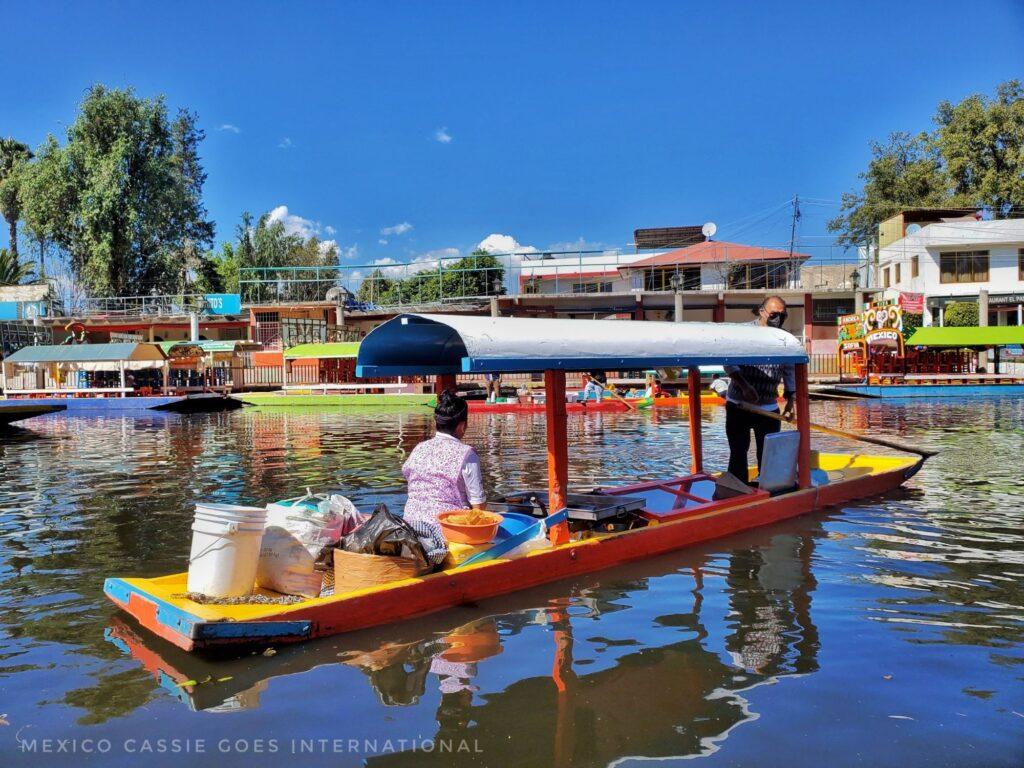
286,566
312,519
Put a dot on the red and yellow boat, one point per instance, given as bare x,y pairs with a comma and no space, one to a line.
676,512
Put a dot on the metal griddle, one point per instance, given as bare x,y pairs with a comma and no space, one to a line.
589,507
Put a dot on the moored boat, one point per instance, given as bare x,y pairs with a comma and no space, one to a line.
661,515
16,410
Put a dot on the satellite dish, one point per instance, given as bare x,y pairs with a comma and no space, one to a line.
913,229
709,229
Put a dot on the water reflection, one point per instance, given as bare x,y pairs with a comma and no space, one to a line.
916,597
605,644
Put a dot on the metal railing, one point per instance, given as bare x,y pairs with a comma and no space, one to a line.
163,305
448,279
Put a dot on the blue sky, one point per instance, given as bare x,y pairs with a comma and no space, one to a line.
551,123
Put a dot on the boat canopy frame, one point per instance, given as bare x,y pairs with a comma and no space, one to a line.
446,345
415,344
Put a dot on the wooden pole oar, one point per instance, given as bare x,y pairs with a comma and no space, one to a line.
611,391
895,445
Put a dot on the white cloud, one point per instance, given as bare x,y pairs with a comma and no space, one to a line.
294,224
330,230
441,135
579,244
229,127
497,243
349,252
285,143
385,260
397,229
382,241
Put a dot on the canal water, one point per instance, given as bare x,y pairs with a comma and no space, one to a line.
886,632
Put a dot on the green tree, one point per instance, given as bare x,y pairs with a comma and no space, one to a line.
960,314
267,247
12,271
973,159
122,198
905,172
981,142
194,265
226,265
911,322
376,289
13,157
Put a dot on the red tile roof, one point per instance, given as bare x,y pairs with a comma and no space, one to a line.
714,251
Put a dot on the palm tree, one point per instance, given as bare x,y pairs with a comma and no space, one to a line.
13,153
13,272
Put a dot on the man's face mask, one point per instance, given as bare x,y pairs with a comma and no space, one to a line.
775,319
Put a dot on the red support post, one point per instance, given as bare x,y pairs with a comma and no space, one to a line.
558,451
444,381
803,423
718,315
696,439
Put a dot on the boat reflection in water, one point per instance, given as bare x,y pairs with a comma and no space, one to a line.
744,619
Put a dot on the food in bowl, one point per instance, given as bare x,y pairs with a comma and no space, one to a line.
469,526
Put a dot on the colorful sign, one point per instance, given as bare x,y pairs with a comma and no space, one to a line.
224,303
879,323
912,302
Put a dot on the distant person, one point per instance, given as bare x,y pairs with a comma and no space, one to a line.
596,381
493,381
757,386
653,389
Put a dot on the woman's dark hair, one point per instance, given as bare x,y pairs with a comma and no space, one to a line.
451,410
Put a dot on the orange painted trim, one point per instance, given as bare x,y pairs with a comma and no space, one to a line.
803,417
446,589
558,451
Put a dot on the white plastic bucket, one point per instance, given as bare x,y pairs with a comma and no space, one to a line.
225,549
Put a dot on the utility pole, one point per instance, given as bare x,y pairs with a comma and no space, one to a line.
792,229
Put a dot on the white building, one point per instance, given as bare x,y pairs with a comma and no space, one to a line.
706,266
954,260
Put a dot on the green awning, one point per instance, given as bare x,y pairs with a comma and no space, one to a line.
968,336
86,353
336,349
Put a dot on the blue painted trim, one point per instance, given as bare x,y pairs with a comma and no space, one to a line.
533,365
224,630
94,404
195,628
933,390
170,616
513,364
374,371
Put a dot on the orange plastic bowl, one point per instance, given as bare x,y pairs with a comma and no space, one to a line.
469,534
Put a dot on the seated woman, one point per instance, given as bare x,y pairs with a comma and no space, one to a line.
443,472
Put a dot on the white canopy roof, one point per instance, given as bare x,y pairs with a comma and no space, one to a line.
435,344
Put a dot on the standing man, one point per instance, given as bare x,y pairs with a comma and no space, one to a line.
757,386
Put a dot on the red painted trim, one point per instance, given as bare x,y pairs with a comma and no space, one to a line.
803,416
696,439
449,588
718,315
558,451
446,589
